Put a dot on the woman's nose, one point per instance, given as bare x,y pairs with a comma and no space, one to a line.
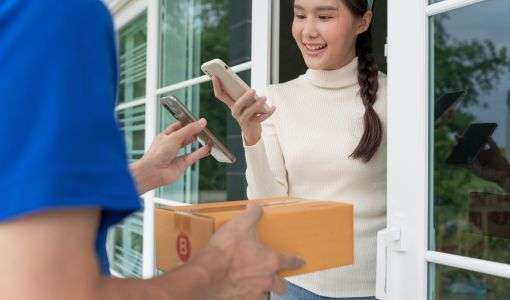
310,29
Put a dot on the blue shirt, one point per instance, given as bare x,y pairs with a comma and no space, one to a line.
61,147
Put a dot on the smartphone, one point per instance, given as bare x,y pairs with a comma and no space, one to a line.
181,113
447,101
232,83
470,143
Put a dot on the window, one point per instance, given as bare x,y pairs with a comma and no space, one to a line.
470,188
132,123
193,32
125,241
209,180
452,283
125,247
132,51
190,33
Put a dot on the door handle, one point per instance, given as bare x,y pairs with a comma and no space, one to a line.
380,281
386,237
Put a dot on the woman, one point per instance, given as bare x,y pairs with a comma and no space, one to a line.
324,137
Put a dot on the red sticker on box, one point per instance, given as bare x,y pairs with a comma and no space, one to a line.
183,245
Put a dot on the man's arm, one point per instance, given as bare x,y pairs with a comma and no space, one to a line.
50,255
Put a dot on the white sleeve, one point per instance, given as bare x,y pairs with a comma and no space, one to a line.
266,173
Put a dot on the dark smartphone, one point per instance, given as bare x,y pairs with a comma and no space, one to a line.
181,113
446,101
470,143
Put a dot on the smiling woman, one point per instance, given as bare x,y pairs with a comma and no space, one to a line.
325,34
337,111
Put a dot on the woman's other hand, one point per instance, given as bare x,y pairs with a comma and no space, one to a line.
249,111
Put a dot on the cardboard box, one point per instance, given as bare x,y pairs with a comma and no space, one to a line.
321,232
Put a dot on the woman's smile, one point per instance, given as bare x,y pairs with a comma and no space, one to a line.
315,49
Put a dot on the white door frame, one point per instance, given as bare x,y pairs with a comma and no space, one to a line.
407,138
261,43
408,154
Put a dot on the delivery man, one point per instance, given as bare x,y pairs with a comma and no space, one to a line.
64,178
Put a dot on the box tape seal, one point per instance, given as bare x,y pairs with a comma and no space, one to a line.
182,222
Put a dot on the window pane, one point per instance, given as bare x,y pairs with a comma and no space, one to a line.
132,44
125,241
471,174
209,180
132,123
195,31
126,247
456,284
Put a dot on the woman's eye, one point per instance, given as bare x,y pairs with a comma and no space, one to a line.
325,17
301,17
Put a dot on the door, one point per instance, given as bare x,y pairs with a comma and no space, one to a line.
448,234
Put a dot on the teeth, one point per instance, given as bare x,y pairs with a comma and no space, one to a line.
315,47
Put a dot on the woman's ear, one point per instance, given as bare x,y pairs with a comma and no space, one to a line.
364,22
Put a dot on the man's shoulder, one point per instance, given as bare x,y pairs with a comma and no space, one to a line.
60,15
53,6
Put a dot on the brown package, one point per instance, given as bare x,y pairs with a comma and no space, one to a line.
321,232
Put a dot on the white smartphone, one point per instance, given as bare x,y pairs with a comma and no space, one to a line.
232,83
181,113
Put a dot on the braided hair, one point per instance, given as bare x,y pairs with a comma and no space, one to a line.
368,79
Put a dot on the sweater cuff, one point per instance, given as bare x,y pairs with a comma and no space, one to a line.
253,148
256,158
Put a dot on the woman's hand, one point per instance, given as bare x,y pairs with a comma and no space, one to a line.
160,165
248,111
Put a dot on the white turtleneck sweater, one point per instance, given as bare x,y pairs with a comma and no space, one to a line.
304,152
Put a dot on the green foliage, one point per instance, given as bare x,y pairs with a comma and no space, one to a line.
215,44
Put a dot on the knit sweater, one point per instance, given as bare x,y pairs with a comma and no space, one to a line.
304,153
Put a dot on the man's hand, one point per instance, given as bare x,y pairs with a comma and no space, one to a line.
239,266
50,255
160,165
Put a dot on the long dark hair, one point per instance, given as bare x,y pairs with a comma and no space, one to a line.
368,79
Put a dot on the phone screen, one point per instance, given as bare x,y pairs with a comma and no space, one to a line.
471,142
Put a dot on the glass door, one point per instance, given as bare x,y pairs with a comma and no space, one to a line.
448,231
179,61
470,173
